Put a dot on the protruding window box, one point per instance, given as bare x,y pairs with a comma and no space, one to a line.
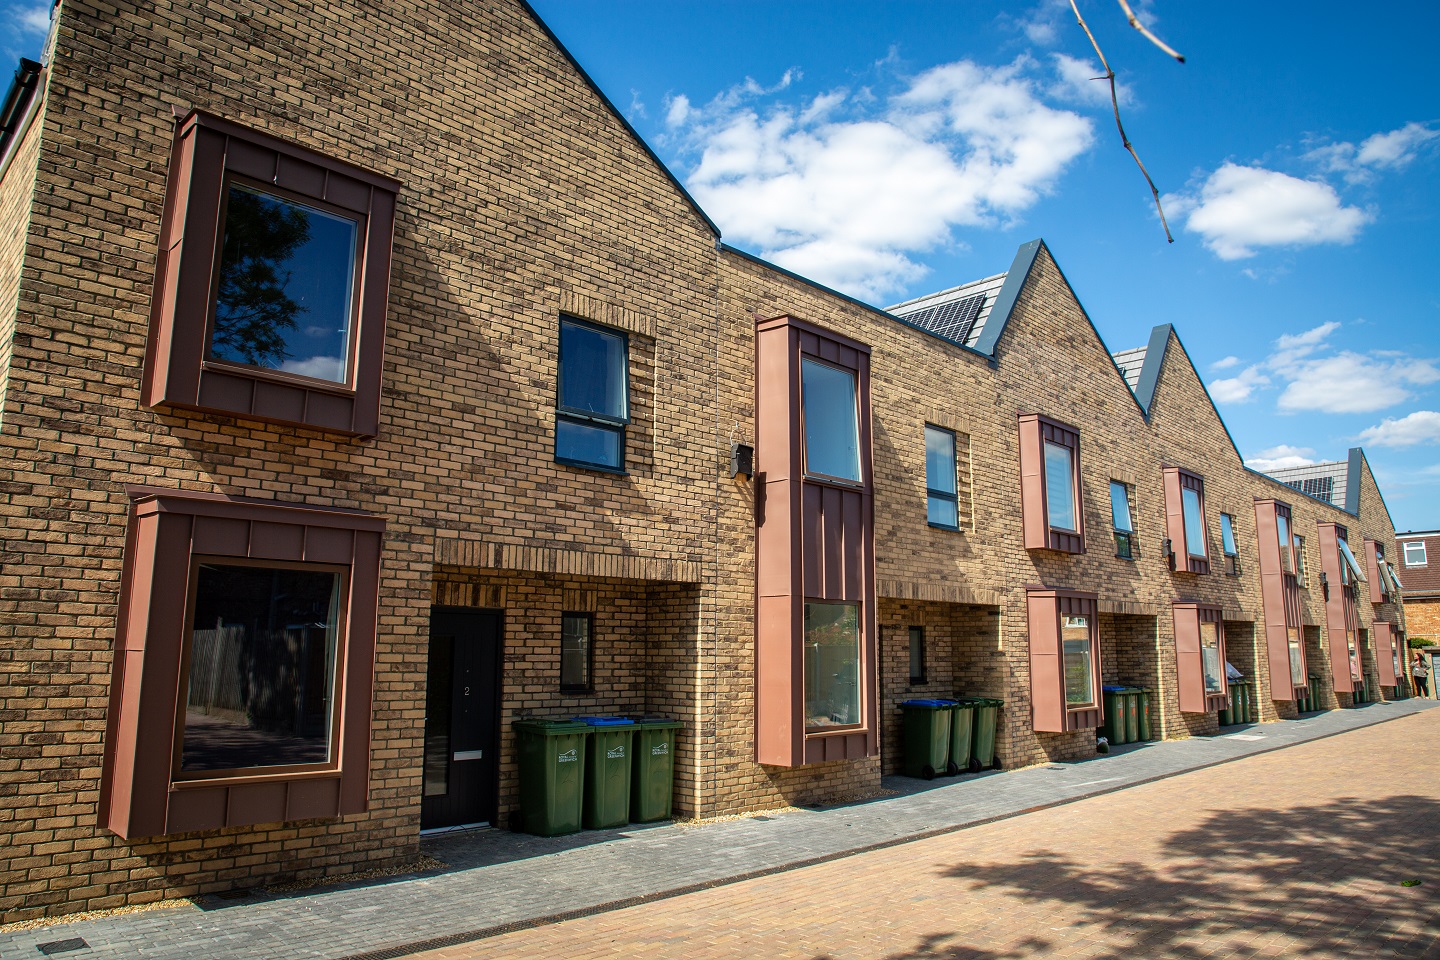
1185,520
816,650
1200,657
244,657
1050,501
1064,660
1275,542
1342,624
271,282
1387,654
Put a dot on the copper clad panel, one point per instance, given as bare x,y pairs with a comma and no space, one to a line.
1335,612
252,803
278,401
201,808
1032,485
312,798
1274,602
1384,652
226,536
1047,677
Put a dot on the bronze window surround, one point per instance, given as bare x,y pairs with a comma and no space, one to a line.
1037,431
169,531
209,155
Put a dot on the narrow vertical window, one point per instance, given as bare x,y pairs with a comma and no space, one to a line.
1299,559
593,397
832,430
832,664
1349,567
1060,487
1227,534
1210,657
1077,651
575,652
941,504
1120,515
1297,658
1282,530
917,655
1194,523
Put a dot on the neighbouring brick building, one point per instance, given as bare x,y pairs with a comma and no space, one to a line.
1417,560
366,385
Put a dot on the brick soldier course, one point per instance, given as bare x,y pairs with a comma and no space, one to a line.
520,196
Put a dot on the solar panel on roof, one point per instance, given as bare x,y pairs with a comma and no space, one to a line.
953,320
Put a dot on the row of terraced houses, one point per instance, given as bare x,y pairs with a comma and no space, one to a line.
369,385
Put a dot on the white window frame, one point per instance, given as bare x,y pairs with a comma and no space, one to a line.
1406,545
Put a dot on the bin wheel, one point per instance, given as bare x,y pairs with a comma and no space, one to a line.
928,773
975,765
952,768
996,765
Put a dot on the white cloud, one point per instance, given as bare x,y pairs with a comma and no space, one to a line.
1083,81
1422,426
1278,458
637,106
1238,209
1225,363
846,188
324,368
1394,150
1238,389
1350,382
677,110
32,19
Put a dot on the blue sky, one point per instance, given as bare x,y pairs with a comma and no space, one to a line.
890,149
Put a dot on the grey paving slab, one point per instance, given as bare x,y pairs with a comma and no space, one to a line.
496,879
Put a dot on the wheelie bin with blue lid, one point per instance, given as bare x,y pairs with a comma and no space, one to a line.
607,772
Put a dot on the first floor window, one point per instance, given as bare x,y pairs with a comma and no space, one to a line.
1060,487
829,401
575,651
593,402
1297,658
1194,523
917,654
1120,515
1210,657
1300,559
1227,534
1077,651
1414,553
942,508
832,665
261,666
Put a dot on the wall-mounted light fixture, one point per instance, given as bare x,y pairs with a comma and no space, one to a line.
742,461
1167,550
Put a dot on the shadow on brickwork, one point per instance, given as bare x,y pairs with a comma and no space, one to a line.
1315,881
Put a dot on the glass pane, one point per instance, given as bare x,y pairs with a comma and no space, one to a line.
439,699
1059,487
1415,553
588,443
1297,659
575,651
1349,561
286,286
1210,657
1194,523
1227,534
832,664
943,512
262,667
917,654
832,433
1079,682
1120,507
939,460
1354,656
1299,556
1282,528
593,371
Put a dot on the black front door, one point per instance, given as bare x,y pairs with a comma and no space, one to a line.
462,722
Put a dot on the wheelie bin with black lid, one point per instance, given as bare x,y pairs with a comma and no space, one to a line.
551,755
927,737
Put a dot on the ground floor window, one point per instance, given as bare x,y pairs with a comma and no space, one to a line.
1210,657
575,652
1297,658
1079,676
832,664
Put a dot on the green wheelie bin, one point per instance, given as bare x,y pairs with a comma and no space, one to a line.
607,772
1114,704
652,781
1145,727
1131,702
962,737
551,754
987,716
927,737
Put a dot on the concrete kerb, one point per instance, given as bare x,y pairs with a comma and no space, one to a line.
660,863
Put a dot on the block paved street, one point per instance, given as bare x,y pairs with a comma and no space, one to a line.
1212,846
1277,855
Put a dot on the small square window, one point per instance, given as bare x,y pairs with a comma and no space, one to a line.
1125,547
917,655
1414,553
271,283
576,652
942,504
593,402
828,399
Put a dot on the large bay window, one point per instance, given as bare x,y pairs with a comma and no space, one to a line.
271,282
1050,501
1077,653
1065,664
245,650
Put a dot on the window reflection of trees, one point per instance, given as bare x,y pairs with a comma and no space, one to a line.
253,312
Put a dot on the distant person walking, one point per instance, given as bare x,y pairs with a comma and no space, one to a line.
1420,670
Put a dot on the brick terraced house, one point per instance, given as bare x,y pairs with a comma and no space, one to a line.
1417,561
367,385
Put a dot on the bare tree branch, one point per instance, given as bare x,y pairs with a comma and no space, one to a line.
1135,22
1115,102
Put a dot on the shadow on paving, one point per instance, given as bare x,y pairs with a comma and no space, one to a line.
1329,877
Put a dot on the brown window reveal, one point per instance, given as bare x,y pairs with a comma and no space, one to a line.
1065,665
1280,597
1185,524
214,166
816,651
1385,659
1050,493
159,778
1374,557
1341,617
1200,657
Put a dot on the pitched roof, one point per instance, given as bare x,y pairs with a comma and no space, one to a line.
1328,482
958,314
